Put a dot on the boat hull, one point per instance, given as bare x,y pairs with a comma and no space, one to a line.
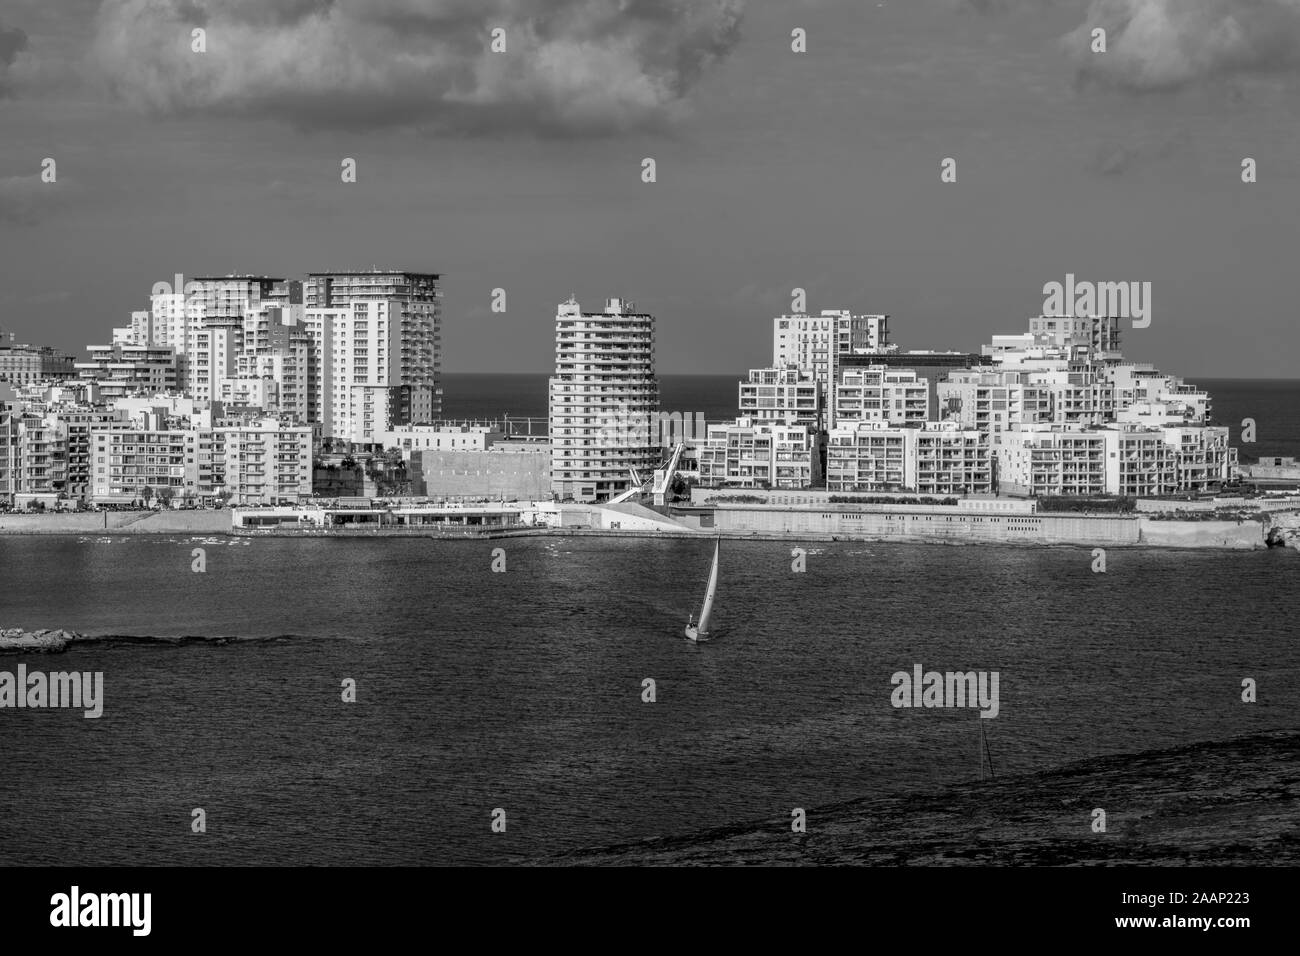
693,633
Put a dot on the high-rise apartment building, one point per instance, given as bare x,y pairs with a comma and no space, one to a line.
602,397
376,350
367,371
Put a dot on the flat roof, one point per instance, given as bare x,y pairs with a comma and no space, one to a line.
375,272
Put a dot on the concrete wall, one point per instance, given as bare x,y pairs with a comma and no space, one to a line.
812,497
513,475
1203,534
118,522
920,526
1208,504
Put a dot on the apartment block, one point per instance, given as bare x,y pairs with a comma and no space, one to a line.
749,453
266,461
375,351
809,343
602,398
782,395
1043,460
125,370
993,402
1094,336
939,458
143,462
258,461
28,364
211,360
881,394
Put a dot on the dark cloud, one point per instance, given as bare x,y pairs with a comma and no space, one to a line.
1165,45
12,42
571,66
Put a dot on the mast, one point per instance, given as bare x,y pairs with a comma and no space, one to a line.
707,610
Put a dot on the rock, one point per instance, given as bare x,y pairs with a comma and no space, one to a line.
43,641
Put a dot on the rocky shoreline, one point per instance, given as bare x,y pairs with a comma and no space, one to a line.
1223,803
38,642
1283,530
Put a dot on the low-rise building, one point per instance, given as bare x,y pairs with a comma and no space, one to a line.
881,394
256,461
937,458
782,395
756,454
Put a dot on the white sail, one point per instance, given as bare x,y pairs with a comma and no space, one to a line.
707,610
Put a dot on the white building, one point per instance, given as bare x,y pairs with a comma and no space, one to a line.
784,395
210,361
411,438
758,454
260,461
881,394
1121,459
603,397
373,352
809,343
938,458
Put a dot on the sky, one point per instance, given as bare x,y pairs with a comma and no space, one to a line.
774,169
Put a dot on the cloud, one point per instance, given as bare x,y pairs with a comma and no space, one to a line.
22,198
1118,158
12,42
998,7
570,66
1166,45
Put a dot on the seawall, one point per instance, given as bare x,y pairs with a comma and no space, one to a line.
117,522
754,523
1236,535
935,525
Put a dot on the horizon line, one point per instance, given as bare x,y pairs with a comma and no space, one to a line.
1215,377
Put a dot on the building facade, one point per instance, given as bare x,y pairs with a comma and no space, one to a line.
749,453
782,395
603,397
937,458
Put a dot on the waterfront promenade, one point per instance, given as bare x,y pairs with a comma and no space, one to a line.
754,522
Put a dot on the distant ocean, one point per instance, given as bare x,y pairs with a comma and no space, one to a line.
1274,404
525,395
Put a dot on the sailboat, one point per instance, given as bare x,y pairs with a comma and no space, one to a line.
700,632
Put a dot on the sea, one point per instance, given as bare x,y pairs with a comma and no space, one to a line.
558,695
